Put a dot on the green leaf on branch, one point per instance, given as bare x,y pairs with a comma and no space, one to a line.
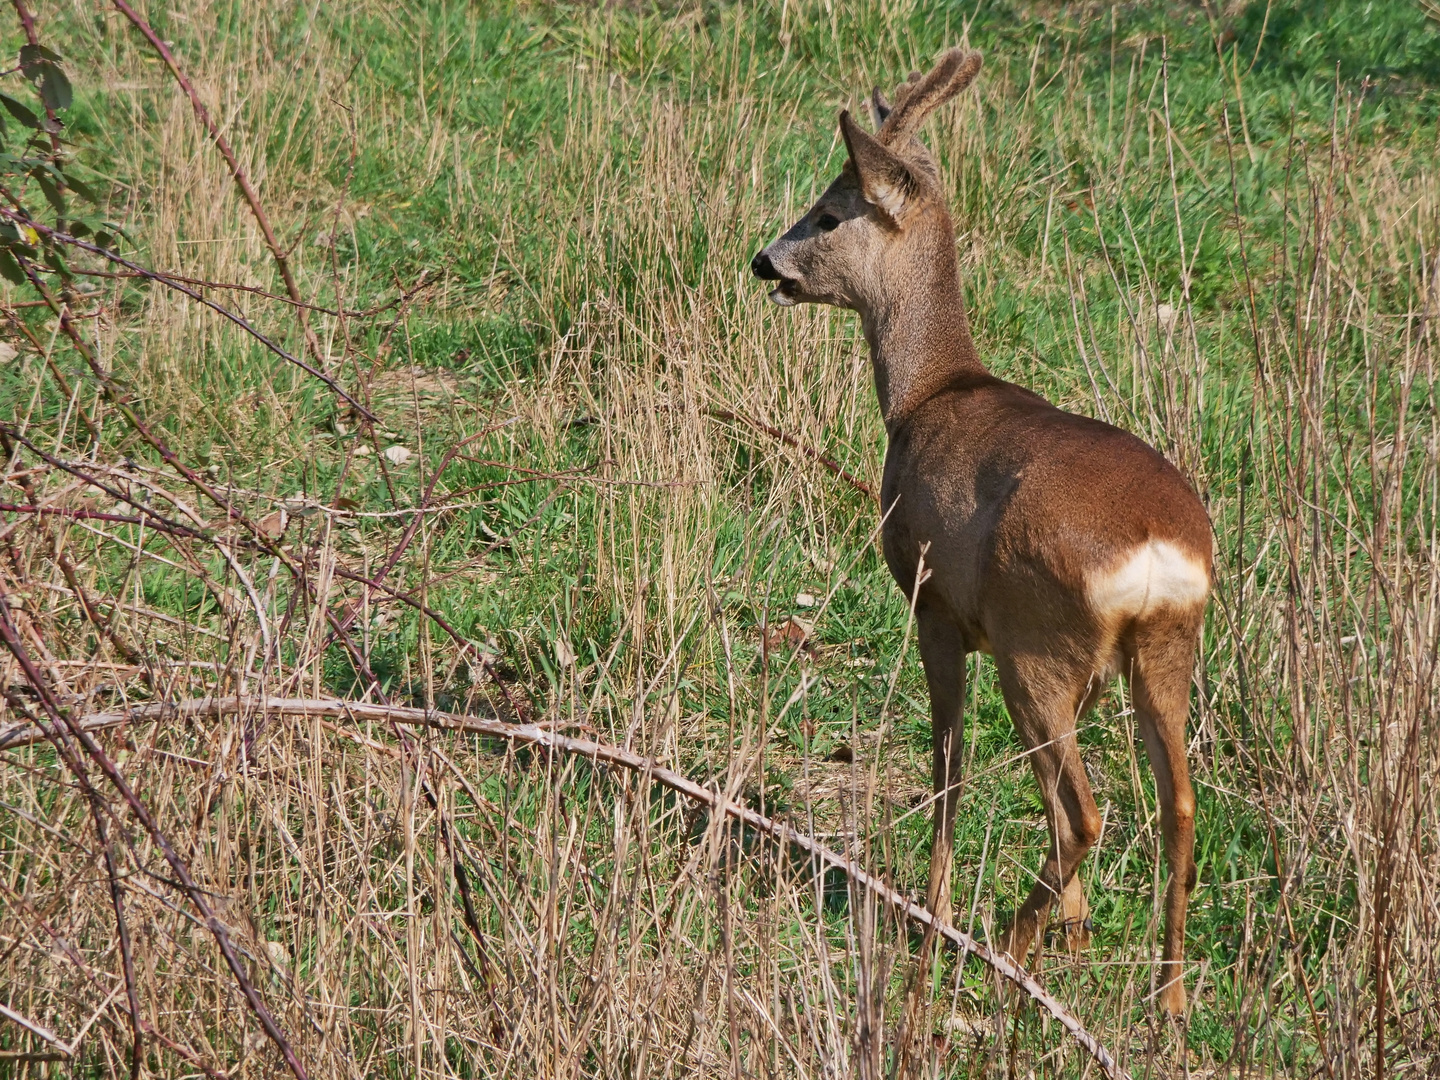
119,230
84,190
55,89
20,112
57,263
42,67
13,236
53,194
10,269
31,56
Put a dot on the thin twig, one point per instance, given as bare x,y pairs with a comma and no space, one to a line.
25,221
122,929
67,568
56,373
37,1029
230,286
80,514
791,441
242,181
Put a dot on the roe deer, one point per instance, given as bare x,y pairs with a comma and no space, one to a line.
1067,549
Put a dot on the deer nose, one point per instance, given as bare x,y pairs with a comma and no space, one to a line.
762,267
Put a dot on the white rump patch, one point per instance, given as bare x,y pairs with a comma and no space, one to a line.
1156,575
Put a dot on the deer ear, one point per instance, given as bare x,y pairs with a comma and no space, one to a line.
879,107
884,179
920,95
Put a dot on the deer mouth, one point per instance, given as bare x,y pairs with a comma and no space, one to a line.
783,295
784,292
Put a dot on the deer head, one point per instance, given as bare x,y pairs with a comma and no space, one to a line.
884,215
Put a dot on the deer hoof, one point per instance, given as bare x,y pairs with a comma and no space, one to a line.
1172,999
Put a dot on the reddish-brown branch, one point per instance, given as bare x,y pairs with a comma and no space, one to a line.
425,503
254,290
791,441
32,36
64,947
440,621
375,582
93,515
63,724
151,518
27,22
339,624
67,568
122,404
180,287
122,929
55,371
190,1056
242,181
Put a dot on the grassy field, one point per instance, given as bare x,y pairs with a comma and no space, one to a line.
525,232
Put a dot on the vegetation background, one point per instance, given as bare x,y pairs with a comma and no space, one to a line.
610,490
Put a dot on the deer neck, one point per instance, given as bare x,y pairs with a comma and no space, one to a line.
919,336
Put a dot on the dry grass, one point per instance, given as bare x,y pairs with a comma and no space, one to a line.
590,260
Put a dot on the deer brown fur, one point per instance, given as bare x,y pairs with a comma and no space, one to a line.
1067,549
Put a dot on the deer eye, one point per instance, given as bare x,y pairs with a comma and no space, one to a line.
826,222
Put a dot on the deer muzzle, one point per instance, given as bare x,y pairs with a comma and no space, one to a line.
763,268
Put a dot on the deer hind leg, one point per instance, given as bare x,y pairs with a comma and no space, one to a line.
1164,652
1045,705
942,649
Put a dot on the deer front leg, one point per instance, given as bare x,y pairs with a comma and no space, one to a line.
942,649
